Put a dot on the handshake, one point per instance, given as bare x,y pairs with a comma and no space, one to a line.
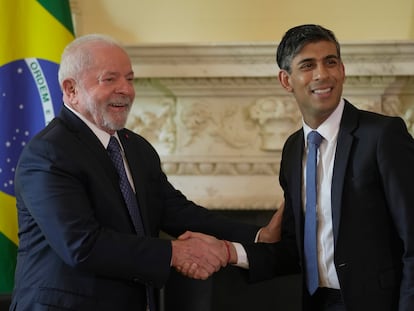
198,256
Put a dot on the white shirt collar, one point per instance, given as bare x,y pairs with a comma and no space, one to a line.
330,127
102,135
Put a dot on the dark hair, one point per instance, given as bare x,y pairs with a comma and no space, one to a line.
296,38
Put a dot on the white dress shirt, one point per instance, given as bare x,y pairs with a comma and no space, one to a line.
104,139
326,157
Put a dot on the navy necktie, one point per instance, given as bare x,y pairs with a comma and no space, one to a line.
311,247
114,151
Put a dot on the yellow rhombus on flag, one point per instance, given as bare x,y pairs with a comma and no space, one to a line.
33,34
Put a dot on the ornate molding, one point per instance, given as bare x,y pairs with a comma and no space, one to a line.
219,118
258,59
257,167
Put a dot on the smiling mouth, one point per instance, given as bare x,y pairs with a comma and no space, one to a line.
322,91
118,105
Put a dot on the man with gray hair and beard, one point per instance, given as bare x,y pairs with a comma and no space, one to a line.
92,199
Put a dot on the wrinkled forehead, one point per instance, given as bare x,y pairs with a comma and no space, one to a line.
108,57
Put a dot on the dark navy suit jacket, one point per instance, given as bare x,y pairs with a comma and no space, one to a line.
372,212
78,249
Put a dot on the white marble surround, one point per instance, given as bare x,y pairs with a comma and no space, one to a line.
218,116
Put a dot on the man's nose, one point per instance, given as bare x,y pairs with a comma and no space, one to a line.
320,72
125,86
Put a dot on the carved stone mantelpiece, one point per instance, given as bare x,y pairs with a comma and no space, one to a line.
218,116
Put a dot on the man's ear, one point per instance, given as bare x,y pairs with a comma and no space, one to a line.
284,79
69,89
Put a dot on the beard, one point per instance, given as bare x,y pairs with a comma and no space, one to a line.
108,120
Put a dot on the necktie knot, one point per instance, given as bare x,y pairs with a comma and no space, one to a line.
113,146
314,138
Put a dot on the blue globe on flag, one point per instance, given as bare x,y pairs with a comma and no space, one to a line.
30,98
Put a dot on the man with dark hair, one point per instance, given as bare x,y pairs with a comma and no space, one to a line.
348,221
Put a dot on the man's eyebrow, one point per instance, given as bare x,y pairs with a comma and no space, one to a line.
332,56
108,73
305,60
312,59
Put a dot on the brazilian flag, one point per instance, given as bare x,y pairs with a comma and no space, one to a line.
33,34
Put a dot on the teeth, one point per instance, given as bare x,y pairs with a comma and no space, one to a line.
323,91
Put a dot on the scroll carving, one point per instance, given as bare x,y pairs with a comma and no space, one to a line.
219,118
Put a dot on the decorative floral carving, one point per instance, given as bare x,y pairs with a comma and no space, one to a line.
159,127
221,168
391,105
228,125
195,119
218,116
277,117
409,119
366,103
233,128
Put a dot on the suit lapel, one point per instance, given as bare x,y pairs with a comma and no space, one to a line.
89,142
348,124
297,173
293,173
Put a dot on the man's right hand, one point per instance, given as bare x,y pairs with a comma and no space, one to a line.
198,257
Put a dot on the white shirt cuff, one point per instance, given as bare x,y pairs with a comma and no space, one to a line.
242,260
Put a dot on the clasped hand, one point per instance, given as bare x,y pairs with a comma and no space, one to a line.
198,255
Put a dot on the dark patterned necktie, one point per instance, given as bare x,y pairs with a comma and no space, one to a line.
311,246
114,151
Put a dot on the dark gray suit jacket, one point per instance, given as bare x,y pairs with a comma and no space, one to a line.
78,249
372,213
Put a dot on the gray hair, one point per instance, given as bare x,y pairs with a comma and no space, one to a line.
76,58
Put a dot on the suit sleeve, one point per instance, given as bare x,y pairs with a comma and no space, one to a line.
269,260
60,215
396,162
